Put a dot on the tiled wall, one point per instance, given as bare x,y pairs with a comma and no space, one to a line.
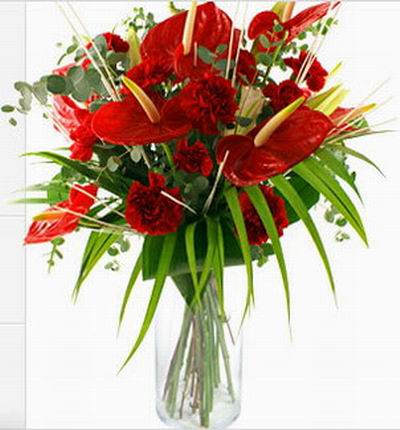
12,224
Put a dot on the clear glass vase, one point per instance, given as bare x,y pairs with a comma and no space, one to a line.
198,363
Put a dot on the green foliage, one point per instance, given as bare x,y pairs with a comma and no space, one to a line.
321,179
179,264
298,205
232,200
206,55
7,108
141,22
167,252
137,268
264,212
55,252
115,184
97,245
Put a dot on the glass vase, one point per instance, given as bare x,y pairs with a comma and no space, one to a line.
198,362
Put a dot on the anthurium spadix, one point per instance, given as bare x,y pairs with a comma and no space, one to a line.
276,121
144,100
349,115
284,9
270,149
189,28
140,119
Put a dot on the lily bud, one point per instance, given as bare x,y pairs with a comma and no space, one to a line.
144,100
276,121
189,28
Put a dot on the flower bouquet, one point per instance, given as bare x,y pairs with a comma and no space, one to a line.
208,139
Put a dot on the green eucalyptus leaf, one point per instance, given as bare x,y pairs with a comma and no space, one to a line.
56,84
7,108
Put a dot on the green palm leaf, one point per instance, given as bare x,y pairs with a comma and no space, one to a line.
97,245
211,248
132,280
338,168
218,267
259,202
323,182
162,272
191,253
232,199
118,185
290,194
355,154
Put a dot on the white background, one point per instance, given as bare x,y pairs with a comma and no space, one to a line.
12,226
341,371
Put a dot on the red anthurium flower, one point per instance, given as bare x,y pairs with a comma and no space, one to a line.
149,73
316,76
148,211
78,123
294,141
264,22
209,101
281,95
57,222
194,158
212,28
126,122
255,229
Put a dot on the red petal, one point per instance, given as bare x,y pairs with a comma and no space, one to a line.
45,231
262,23
126,123
66,112
294,141
212,28
306,18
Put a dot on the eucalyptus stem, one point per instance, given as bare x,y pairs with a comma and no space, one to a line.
169,156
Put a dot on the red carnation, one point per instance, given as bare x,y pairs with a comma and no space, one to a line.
208,102
116,43
78,123
194,158
254,226
64,217
150,212
282,95
316,76
150,72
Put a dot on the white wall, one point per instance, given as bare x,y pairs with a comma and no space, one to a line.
12,225
341,371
